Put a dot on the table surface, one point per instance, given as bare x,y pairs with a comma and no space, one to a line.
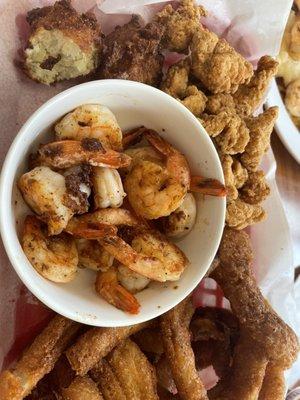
288,181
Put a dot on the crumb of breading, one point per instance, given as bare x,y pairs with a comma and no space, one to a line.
249,96
216,64
260,131
255,189
235,136
180,24
133,52
194,100
215,124
240,173
176,80
219,102
62,45
240,214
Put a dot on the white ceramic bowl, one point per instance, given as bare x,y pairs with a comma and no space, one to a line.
134,104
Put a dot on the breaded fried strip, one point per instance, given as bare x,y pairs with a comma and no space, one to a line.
177,344
273,387
277,340
149,340
81,388
38,359
95,344
126,374
244,379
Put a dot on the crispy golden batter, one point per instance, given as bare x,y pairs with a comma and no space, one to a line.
240,214
277,341
176,80
220,102
216,64
194,100
240,173
81,388
260,131
38,359
249,96
95,344
180,24
177,344
128,369
255,189
62,44
273,386
149,340
215,124
133,52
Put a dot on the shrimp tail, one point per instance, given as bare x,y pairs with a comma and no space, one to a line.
159,143
207,186
132,137
90,230
107,286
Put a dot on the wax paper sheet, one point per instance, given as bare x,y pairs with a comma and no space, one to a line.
255,28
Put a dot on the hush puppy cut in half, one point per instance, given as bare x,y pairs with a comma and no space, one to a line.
62,44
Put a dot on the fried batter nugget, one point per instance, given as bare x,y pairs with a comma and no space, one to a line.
177,344
277,341
62,43
249,96
215,124
133,52
194,100
216,64
128,369
260,131
180,24
273,387
235,175
255,189
240,214
176,80
220,102
82,387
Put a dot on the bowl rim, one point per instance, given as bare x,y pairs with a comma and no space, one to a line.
8,230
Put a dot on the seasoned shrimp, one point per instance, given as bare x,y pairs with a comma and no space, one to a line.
207,186
182,220
45,192
108,287
54,257
91,121
132,281
92,255
108,188
66,153
156,191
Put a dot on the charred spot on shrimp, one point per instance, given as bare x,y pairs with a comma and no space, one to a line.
51,151
91,144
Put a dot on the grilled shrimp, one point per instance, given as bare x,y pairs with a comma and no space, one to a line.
67,153
182,220
78,187
207,186
132,281
54,257
108,287
92,255
108,188
145,153
45,192
91,121
156,191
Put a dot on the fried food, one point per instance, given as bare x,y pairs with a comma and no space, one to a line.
232,179
260,128
38,359
180,24
133,52
216,64
256,189
273,386
277,342
128,369
177,343
62,43
82,387
149,340
292,98
176,79
215,124
164,374
249,96
216,103
54,257
95,344
240,214
194,100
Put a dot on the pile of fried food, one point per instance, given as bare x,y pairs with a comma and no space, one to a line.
289,65
212,80
249,349
76,186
